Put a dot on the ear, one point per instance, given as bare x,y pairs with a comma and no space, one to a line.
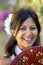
13,32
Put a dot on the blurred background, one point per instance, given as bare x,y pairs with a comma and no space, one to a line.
8,6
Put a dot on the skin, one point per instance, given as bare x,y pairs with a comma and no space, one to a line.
5,61
27,34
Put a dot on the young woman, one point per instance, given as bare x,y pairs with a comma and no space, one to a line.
25,30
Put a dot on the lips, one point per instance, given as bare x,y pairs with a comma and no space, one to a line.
28,39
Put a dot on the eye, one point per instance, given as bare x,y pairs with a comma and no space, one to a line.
22,28
33,28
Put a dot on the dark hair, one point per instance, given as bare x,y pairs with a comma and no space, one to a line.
17,19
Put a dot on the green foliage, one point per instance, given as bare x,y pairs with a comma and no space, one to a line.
29,0
4,6
41,9
16,8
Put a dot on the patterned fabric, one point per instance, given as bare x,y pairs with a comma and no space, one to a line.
31,56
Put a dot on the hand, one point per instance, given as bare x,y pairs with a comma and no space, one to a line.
5,61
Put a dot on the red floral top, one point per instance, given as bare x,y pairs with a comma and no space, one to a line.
31,56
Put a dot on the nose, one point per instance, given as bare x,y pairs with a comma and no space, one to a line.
28,32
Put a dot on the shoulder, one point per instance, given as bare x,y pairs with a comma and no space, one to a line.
5,61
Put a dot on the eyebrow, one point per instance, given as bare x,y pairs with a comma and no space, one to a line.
25,26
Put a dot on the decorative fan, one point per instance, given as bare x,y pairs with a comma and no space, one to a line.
31,56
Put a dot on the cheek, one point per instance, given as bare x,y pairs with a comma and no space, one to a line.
35,33
20,34
19,38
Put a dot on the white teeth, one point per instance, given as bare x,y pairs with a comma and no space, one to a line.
27,39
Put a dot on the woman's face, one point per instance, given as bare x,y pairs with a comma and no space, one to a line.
27,34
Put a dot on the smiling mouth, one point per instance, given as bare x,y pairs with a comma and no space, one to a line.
28,39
